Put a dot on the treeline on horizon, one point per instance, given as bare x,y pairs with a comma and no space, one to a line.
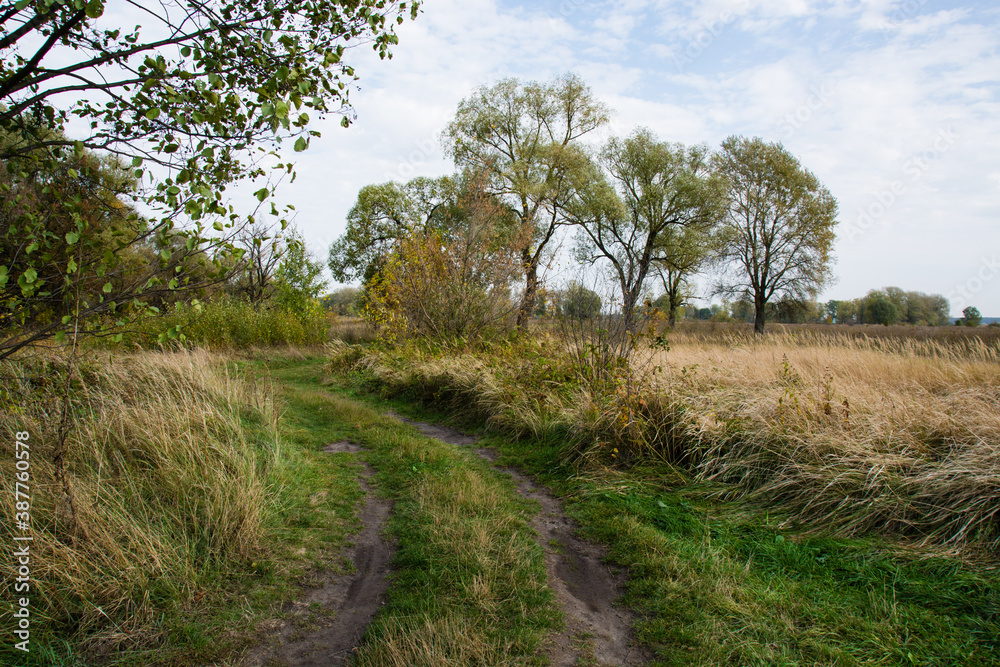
886,306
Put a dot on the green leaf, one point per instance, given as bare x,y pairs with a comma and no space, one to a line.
262,194
3,276
185,51
300,144
30,275
137,162
71,266
73,173
107,288
72,237
60,336
153,113
170,148
95,8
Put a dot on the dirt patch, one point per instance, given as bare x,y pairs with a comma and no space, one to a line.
327,624
344,446
597,632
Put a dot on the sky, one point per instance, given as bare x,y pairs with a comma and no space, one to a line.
894,105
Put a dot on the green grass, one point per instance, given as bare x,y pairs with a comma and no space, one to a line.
468,585
719,583
204,513
313,517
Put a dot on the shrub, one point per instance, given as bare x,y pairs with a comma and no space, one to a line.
450,285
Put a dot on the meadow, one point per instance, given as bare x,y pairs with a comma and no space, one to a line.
851,429
819,495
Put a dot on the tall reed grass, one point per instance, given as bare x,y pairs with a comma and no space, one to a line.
167,465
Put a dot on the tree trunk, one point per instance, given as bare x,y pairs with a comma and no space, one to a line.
758,321
530,291
674,297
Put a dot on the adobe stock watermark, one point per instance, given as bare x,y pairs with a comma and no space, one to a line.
424,152
818,97
913,170
901,13
962,295
710,31
567,7
21,549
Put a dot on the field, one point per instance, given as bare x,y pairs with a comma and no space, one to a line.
842,428
820,495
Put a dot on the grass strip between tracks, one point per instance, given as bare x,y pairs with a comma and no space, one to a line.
469,583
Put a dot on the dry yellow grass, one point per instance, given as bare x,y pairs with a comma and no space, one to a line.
165,481
856,433
850,432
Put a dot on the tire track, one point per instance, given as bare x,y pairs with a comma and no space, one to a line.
597,632
346,603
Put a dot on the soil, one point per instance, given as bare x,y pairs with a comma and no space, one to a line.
597,632
327,624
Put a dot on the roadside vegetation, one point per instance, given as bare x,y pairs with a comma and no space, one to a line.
170,507
857,435
793,499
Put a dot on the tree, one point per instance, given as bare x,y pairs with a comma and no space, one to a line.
683,251
833,310
883,311
74,253
655,187
525,136
192,102
777,235
299,278
383,215
580,303
450,285
262,248
971,317
342,301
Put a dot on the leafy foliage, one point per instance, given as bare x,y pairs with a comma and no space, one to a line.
884,312
526,138
383,215
580,303
193,101
446,286
299,277
655,187
777,235
971,317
